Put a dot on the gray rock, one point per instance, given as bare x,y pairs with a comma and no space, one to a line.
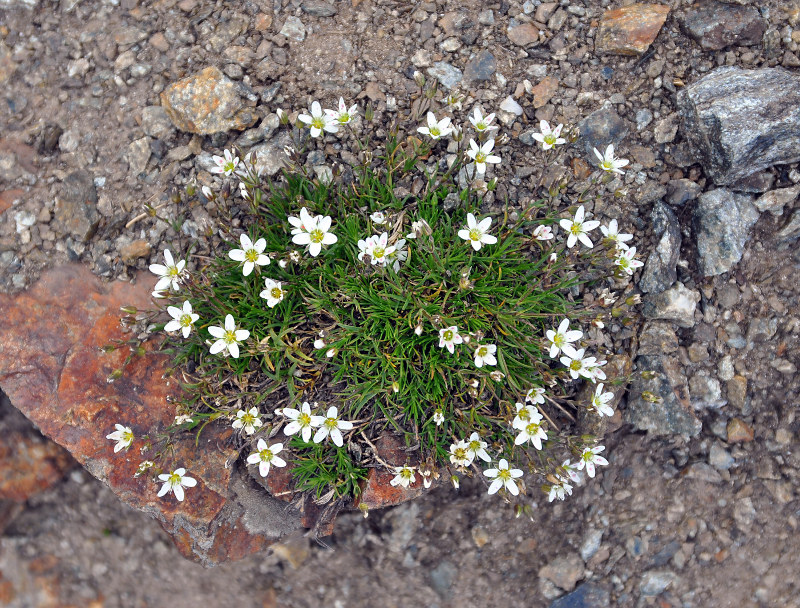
486,17
657,338
677,303
722,222
681,191
755,183
705,392
742,121
294,29
588,595
509,104
762,329
480,67
774,200
660,404
666,129
29,4
138,154
591,543
564,572
643,118
792,228
442,577
76,212
156,123
318,8
271,157
600,128
720,458
447,75
661,268
715,25
654,582
69,140
264,131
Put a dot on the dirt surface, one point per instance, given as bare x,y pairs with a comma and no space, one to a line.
709,521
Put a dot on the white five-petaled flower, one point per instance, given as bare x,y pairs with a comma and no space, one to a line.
482,123
377,248
596,370
436,129
438,417
476,447
484,355
312,230
379,217
591,457
343,115
318,121
548,137
578,228
530,431
611,232
525,414
449,337
419,228
481,154
459,454
266,456
543,233
182,318
503,477
329,424
248,420
571,471
171,274
400,254
226,164
577,364
175,482
475,232
251,254
559,490
123,436
601,400
561,337
273,293
626,261
301,421
535,395
610,163
228,337
404,476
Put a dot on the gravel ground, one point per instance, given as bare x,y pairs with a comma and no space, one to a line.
706,521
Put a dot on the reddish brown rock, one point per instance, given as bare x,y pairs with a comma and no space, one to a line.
8,197
523,35
716,25
30,464
377,491
208,102
544,91
630,30
739,431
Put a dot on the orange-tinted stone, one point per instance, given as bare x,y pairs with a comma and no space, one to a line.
739,431
8,197
30,464
630,30
377,491
544,91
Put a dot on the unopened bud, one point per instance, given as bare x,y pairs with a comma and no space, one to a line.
116,374
648,374
633,300
129,310
369,112
651,397
396,386
191,189
418,330
419,78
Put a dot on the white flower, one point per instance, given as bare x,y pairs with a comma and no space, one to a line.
319,344
577,364
570,471
476,447
497,375
208,193
438,417
331,352
549,137
182,318
482,123
481,155
503,477
531,431
484,355
379,251
475,232
225,165
318,122
596,370
342,116
273,293
459,454
436,129
419,228
379,217
266,456
182,419
543,233
171,274
559,490
535,395
525,414
610,163
590,457
561,337
330,425
601,400
247,420
174,482
427,480
312,231
449,337
578,228
300,421
626,262
228,337
400,254
144,466
123,436
251,254
612,234
404,476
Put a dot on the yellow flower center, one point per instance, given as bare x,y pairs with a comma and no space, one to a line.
331,423
504,474
475,234
251,255
460,454
406,473
483,351
378,252
276,293
229,167
575,365
266,455
558,340
185,320
317,235
174,479
229,337
480,157
248,419
550,139
575,228
304,419
173,271
606,165
532,429
448,335
318,122
474,445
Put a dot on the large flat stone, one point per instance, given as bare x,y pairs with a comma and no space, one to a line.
630,30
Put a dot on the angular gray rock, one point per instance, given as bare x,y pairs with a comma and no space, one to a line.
660,270
739,122
792,229
660,404
76,211
447,75
480,67
715,25
677,304
775,200
722,222
600,128
588,595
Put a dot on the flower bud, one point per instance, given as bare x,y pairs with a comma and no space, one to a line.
419,78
